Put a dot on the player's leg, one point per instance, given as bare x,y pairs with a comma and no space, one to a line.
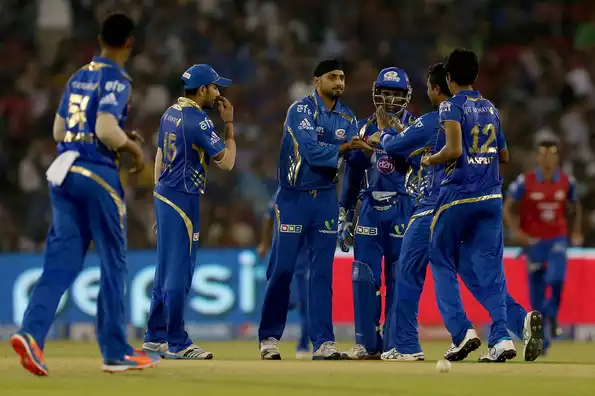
446,235
300,282
66,246
394,222
322,242
527,326
156,334
554,278
292,217
403,338
366,282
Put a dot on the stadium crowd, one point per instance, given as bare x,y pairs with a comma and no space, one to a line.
532,69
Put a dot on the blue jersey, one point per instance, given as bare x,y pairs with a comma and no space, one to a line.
271,206
410,145
102,86
309,157
378,173
188,141
477,169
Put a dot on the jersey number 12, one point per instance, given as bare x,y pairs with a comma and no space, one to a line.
488,130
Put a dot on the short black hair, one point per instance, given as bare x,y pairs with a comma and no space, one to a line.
116,28
190,92
437,77
463,66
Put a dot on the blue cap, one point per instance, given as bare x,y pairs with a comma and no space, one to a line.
198,75
392,77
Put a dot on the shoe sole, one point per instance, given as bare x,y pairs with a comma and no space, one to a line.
173,356
121,368
412,359
153,352
534,347
276,356
21,347
471,345
333,356
345,356
504,356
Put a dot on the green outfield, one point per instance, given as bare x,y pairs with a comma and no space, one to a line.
569,370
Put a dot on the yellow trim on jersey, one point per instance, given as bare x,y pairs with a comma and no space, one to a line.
185,102
109,189
298,158
183,215
459,202
417,216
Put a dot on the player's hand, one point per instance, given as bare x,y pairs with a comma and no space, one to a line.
225,108
523,239
358,144
382,118
262,249
135,136
425,160
138,156
577,239
374,140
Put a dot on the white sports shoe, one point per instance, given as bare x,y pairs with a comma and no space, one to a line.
269,349
193,352
327,351
359,352
155,347
532,336
395,356
501,352
460,352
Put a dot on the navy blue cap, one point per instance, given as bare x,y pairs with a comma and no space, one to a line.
392,77
198,75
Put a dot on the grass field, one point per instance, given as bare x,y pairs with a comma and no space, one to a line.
568,370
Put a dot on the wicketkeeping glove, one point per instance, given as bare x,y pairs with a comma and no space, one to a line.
345,228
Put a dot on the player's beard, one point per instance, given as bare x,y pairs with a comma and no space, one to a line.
334,93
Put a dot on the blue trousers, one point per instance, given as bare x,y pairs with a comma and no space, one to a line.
88,206
379,233
303,218
414,259
177,216
553,252
474,221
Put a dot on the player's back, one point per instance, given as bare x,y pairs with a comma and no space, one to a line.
102,86
188,140
477,169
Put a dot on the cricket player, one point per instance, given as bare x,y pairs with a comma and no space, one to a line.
88,203
469,210
187,143
299,286
380,182
542,197
403,339
318,132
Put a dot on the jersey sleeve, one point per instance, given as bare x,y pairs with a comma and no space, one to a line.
516,190
300,124
63,107
500,139
352,181
113,95
402,145
450,112
203,134
572,195
352,129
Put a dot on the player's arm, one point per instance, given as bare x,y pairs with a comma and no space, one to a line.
576,211
510,215
503,155
300,125
403,145
158,164
450,118
112,100
226,159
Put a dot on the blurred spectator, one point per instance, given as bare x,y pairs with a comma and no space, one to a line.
538,66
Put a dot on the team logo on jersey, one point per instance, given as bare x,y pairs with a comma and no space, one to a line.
361,230
444,106
305,124
560,195
385,165
195,236
214,138
290,228
340,134
391,76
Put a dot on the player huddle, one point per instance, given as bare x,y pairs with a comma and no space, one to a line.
429,188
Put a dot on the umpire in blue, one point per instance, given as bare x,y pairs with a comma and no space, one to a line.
319,131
